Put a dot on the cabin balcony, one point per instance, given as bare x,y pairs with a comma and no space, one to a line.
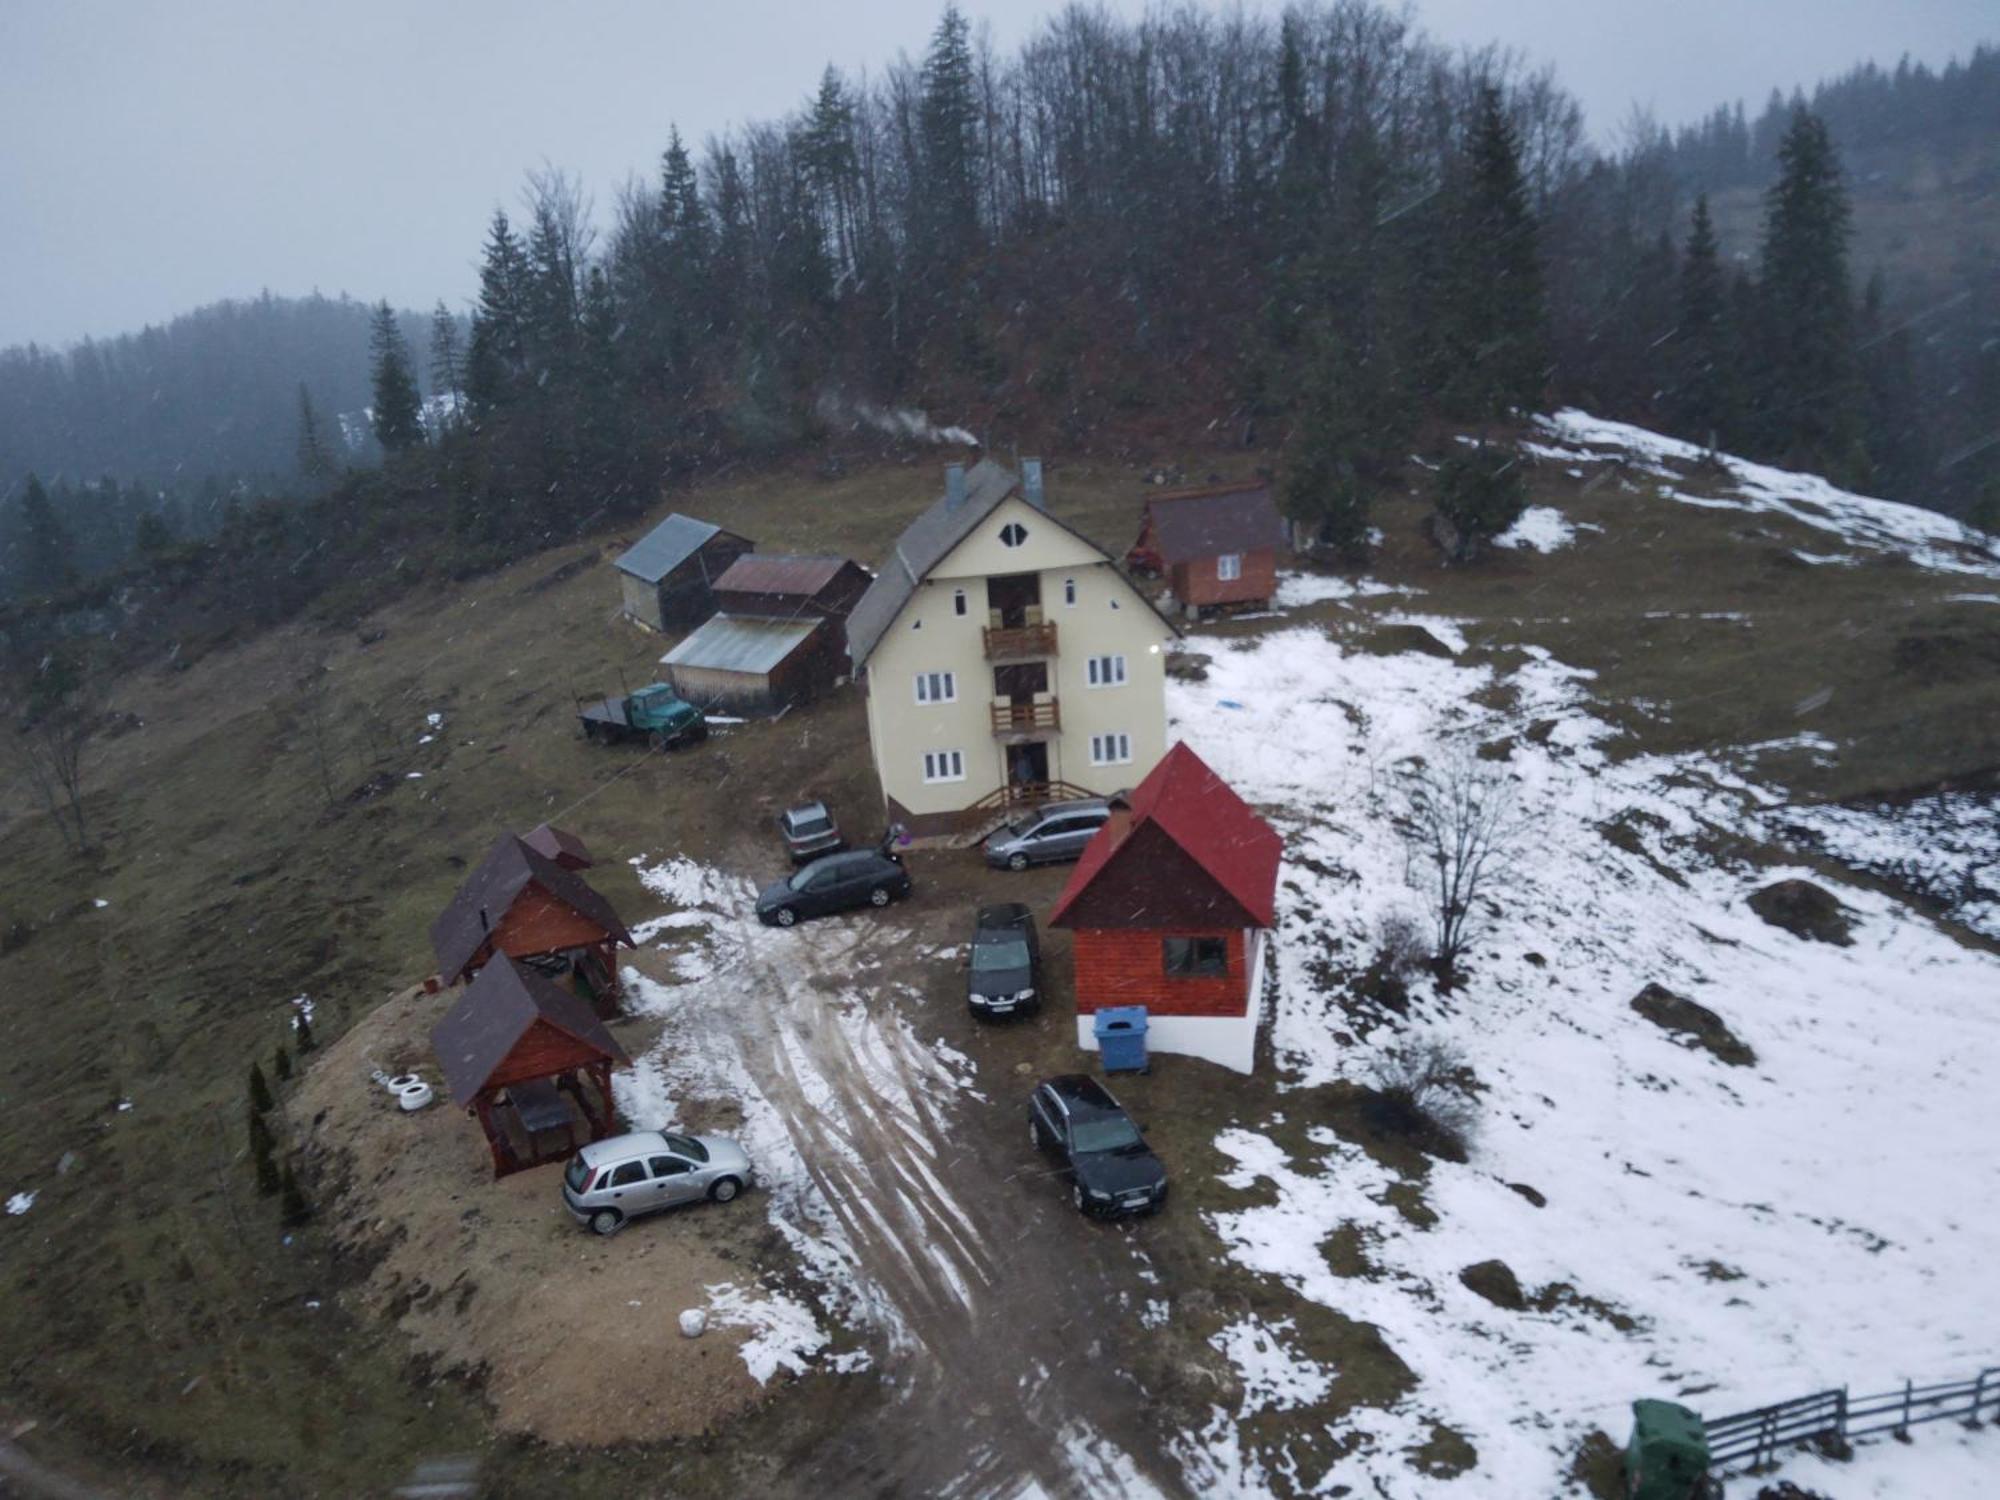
1015,642
1043,715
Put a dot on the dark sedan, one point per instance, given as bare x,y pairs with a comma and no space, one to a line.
833,883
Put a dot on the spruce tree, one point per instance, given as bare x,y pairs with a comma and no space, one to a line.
260,1091
1480,494
292,1209
315,461
1497,338
398,411
947,201
1703,400
281,1060
496,357
268,1180
1810,397
153,534
447,360
51,549
261,1140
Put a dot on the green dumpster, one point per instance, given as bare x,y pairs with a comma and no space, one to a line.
1667,1458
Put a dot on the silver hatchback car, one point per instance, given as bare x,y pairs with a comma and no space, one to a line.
612,1181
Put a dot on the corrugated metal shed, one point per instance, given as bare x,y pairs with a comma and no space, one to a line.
740,643
666,547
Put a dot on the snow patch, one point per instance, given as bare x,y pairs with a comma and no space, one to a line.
1540,529
784,1333
19,1204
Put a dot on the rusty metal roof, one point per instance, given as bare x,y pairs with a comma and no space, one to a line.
1226,518
481,1030
779,573
509,868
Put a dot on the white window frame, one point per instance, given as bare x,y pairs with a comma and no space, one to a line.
943,765
945,691
1113,749
1105,671
1229,567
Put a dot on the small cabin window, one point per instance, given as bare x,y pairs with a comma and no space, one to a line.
1229,566
1195,957
1069,591
958,601
1013,534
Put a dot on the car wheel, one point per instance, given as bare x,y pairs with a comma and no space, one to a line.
724,1188
1017,861
606,1221
786,916
879,896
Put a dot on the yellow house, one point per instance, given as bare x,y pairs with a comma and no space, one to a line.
1007,660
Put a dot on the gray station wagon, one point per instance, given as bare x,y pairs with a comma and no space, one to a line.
1054,834
610,1182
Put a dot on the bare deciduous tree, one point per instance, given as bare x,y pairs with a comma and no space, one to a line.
47,745
1462,824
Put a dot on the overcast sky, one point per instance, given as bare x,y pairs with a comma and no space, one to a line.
155,156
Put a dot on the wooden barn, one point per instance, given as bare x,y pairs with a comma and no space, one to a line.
753,664
523,905
782,587
1171,907
1217,548
531,1062
668,575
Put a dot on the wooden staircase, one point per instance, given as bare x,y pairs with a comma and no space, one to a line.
979,820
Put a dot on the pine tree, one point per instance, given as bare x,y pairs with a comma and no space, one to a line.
153,535
51,549
1704,401
1480,494
1496,323
447,362
1810,404
281,1060
315,461
947,196
261,1140
268,1181
260,1091
496,357
398,412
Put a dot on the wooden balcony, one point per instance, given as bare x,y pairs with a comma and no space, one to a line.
1040,717
1007,643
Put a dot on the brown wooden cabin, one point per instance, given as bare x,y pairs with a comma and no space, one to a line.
1217,548
667,577
560,845
778,586
524,905
531,1062
1169,908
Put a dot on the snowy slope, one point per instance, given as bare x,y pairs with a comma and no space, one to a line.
1814,1219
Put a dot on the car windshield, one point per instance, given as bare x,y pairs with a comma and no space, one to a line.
805,827
991,958
1114,1133
685,1145
576,1174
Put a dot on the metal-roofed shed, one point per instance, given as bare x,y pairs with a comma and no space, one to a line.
668,576
755,664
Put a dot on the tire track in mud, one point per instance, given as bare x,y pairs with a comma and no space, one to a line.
996,1386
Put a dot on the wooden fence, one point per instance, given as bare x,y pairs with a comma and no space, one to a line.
1754,1438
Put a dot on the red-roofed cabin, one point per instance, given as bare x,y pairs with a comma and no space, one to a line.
1217,548
525,905
1171,907
532,1063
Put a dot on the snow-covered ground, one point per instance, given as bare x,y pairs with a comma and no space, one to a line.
1814,1219
1541,528
1946,846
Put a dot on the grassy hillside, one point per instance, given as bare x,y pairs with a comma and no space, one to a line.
156,1321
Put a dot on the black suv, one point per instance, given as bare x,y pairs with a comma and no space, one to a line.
1005,973
1112,1172
834,882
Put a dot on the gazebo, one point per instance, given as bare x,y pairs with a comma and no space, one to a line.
526,905
532,1063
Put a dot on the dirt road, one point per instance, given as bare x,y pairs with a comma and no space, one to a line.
994,1312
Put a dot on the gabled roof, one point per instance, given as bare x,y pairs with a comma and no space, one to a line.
1199,813
560,845
666,547
509,868
741,643
1202,523
495,1012
923,545
776,573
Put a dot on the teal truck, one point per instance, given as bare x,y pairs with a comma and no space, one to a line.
1667,1458
654,713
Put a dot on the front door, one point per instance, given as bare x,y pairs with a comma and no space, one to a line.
1028,765
1012,595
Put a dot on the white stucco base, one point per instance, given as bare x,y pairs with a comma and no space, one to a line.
1228,1040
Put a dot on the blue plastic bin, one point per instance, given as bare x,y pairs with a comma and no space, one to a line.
1121,1038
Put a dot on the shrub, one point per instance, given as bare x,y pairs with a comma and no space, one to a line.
281,1061
1480,495
1399,944
1423,1092
260,1091
268,1181
292,1207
